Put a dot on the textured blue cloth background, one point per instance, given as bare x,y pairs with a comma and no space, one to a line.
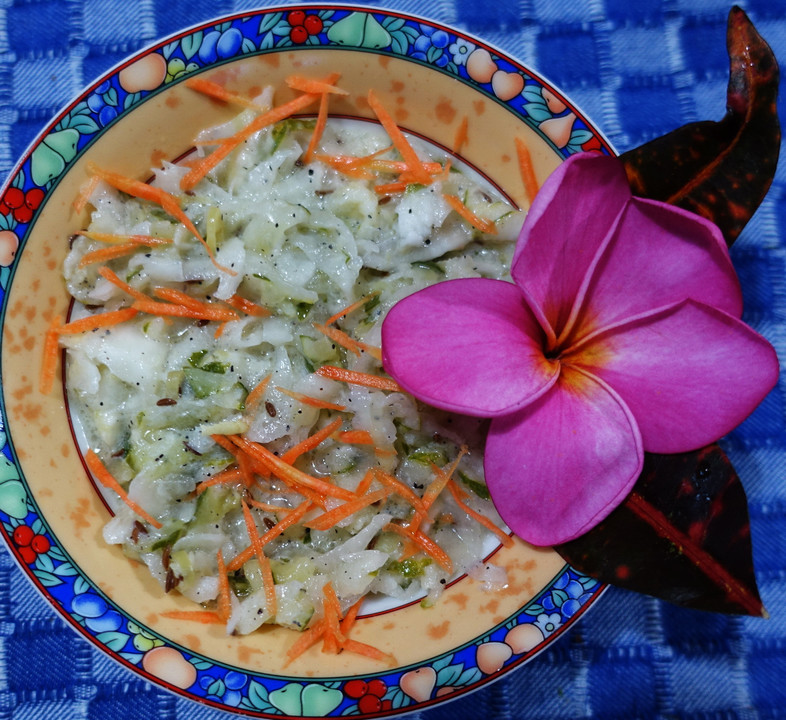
638,68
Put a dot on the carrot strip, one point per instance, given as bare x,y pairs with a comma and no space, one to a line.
180,298
83,197
308,638
456,492
365,483
168,202
461,136
357,437
311,441
414,163
108,480
206,617
354,377
351,308
113,239
268,507
526,169
292,518
317,87
108,253
248,307
288,473
403,490
443,476
206,311
369,651
339,337
255,396
331,608
349,619
349,166
110,275
482,224
227,475
219,92
94,322
424,542
264,562
224,603
391,188
397,166
327,520
309,400
51,355
201,168
319,128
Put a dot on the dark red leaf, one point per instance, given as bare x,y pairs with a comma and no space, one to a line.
682,535
720,170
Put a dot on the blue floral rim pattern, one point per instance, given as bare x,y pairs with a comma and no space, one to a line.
24,528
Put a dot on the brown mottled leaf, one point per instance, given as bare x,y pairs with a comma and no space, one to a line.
682,535
720,170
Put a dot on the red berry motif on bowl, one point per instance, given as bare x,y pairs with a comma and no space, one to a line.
369,694
30,543
304,25
20,204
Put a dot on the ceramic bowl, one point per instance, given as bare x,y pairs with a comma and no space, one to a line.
51,516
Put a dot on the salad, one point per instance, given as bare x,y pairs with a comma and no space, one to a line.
224,369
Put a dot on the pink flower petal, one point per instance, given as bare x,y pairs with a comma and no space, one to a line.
689,373
658,255
566,226
559,466
471,346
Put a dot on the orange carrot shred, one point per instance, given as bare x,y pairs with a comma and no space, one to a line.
248,307
312,401
455,491
369,651
219,92
99,320
110,275
206,311
206,617
482,224
310,85
288,473
526,169
358,437
293,517
366,482
424,542
209,162
348,621
391,188
113,239
401,489
308,638
331,607
224,607
227,475
100,473
51,355
264,562
107,253
319,128
351,308
410,157
168,202
83,197
311,441
257,393
340,338
354,377
327,520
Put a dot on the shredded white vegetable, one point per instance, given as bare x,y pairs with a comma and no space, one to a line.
150,394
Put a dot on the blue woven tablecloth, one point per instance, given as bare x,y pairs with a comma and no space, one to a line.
638,68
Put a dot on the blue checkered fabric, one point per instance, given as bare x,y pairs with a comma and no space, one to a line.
638,68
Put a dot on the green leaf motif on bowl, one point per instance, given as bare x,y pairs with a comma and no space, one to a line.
51,156
359,30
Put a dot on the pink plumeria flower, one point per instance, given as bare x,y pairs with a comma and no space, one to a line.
620,334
